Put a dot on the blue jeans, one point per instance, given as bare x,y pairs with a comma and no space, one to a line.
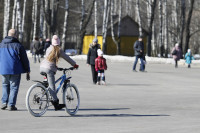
10,87
136,60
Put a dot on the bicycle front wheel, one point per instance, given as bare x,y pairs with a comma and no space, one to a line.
71,99
37,100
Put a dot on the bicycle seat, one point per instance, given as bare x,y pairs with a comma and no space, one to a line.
44,74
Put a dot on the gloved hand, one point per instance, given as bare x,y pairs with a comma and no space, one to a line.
27,76
76,66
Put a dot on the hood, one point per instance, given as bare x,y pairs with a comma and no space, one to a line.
9,39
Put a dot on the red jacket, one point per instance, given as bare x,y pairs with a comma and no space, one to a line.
100,63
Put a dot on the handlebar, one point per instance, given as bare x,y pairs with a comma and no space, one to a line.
65,69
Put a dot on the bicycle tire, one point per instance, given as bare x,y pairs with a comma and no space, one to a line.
71,99
37,100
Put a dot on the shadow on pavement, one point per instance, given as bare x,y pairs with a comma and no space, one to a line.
118,115
103,109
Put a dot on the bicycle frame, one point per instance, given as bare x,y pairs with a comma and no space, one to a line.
63,78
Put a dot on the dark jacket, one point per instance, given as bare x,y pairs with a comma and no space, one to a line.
139,45
92,54
100,63
13,57
36,47
46,45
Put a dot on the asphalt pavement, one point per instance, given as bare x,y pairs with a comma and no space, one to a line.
162,100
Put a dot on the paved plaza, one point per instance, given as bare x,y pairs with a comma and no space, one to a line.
161,100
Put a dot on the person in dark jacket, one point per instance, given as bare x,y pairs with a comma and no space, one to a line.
13,62
91,56
139,53
47,44
36,49
41,47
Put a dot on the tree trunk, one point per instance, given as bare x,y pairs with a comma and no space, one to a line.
65,24
165,28
82,32
19,20
183,6
187,38
35,19
161,27
41,18
139,17
95,19
6,17
151,15
14,14
105,23
23,17
47,18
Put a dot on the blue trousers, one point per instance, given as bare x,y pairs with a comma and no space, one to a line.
10,87
136,60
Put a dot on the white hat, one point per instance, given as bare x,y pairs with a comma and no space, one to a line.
55,40
100,53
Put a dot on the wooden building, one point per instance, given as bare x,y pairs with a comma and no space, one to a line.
129,34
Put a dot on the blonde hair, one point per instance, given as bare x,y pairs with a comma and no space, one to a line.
54,54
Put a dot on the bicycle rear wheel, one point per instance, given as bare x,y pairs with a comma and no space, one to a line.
71,99
37,100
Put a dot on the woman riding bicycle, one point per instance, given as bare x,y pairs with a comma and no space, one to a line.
48,65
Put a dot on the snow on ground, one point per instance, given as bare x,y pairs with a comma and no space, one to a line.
120,58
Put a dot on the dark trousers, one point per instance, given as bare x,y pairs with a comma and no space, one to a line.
94,74
136,60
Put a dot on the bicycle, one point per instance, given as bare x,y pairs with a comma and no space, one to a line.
38,95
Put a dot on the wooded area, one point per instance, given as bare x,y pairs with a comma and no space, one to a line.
166,22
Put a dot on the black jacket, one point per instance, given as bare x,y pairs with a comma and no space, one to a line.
139,45
92,54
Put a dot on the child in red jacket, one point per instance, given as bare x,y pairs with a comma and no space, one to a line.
100,66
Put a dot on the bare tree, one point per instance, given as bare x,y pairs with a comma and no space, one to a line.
47,18
139,17
95,19
105,22
152,6
23,17
161,28
14,14
82,31
116,41
41,18
187,28
19,20
35,19
183,7
6,17
65,24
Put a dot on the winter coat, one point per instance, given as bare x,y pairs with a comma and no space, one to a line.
178,54
52,65
36,47
13,57
100,63
92,54
42,48
46,45
138,45
189,58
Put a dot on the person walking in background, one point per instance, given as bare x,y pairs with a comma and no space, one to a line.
41,47
13,62
91,56
189,58
177,54
139,53
49,66
36,49
100,67
47,44
144,63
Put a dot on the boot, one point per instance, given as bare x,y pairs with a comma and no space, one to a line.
57,106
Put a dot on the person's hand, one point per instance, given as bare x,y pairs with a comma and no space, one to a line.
76,66
96,70
27,76
88,65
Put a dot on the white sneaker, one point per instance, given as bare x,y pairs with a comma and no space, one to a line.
103,83
98,83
